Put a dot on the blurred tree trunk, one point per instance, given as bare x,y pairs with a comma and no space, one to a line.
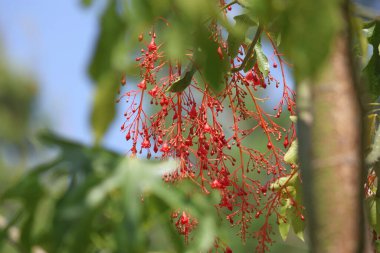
331,154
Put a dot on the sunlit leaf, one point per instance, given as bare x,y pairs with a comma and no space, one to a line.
282,181
291,156
262,60
293,118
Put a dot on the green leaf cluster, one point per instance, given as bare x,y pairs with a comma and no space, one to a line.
89,199
290,211
309,29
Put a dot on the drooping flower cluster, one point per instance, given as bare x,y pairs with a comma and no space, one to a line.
216,138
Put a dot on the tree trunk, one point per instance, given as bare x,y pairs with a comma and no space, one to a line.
331,154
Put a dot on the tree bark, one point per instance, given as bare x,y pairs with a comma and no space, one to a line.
331,155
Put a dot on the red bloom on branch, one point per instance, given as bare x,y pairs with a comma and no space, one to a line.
211,135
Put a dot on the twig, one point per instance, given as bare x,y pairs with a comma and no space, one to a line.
230,4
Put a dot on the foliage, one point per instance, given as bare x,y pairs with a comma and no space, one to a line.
16,100
303,28
90,199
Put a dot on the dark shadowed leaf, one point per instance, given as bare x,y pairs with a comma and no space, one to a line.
372,70
211,60
185,81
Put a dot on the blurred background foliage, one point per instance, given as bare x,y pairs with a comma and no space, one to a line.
86,198
17,97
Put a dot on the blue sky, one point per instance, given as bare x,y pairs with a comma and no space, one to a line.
53,40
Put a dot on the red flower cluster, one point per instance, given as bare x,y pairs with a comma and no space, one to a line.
215,137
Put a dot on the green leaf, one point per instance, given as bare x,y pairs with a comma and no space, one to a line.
177,40
135,175
371,206
291,155
262,60
252,60
374,155
103,110
284,227
212,65
112,28
372,70
288,181
377,213
278,40
237,35
185,81
298,225
305,28
372,122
